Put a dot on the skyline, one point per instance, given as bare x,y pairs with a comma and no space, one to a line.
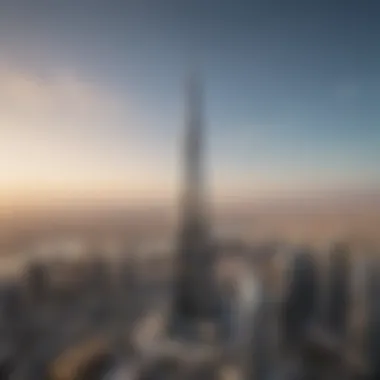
92,98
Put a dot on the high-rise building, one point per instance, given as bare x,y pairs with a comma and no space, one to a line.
301,302
194,297
37,283
372,333
339,277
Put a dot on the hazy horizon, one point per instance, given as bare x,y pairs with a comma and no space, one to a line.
96,199
313,220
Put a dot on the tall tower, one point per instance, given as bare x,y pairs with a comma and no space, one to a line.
194,294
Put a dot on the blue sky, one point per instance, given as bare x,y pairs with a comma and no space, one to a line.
93,95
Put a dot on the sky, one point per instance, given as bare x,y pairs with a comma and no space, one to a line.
92,96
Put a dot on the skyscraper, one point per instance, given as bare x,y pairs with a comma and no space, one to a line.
194,294
301,303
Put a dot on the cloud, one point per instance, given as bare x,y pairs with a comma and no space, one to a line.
61,103
62,129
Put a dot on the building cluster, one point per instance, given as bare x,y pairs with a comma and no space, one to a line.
48,309
296,314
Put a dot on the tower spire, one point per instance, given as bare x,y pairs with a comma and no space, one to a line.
194,185
193,301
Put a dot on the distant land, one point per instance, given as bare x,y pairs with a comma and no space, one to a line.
306,218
